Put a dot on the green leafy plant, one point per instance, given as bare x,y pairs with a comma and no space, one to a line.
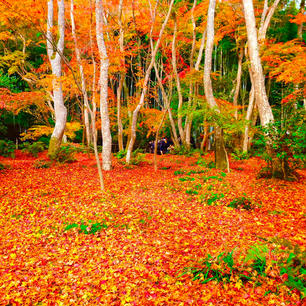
7,148
240,155
191,191
241,202
137,157
42,164
286,143
218,268
90,228
179,172
66,154
186,178
292,264
3,166
34,148
213,198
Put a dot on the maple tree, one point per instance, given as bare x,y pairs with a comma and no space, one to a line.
171,229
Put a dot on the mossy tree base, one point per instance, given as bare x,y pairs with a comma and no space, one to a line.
221,158
54,147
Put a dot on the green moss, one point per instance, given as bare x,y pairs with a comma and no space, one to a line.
54,147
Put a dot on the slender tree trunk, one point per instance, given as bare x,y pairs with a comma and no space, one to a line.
238,83
191,106
300,27
245,145
82,75
265,111
178,85
264,108
145,85
121,79
104,64
167,106
220,152
54,55
94,105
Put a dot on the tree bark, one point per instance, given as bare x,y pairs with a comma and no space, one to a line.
220,153
178,85
54,54
300,27
238,83
264,108
121,79
145,85
104,64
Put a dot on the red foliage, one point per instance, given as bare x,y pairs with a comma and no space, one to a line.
154,229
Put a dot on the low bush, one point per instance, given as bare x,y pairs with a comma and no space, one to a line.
241,202
240,155
7,148
34,148
66,154
42,164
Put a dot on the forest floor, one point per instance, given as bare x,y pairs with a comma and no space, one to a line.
63,242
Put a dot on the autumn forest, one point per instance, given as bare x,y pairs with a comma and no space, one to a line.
152,152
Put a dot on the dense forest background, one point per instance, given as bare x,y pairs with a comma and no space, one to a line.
142,70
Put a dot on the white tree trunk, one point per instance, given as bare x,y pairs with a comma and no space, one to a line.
220,152
264,108
238,82
145,86
86,106
245,145
55,51
121,78
178,85
104,64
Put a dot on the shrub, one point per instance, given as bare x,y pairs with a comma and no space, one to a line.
66,154
213,198
7,148
181,150
42,164
288,144
34,148
3,167
240,155
241,202
136,158
205,163
87,229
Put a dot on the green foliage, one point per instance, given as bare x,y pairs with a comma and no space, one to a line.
179,172
204,163
288,141
292,265
7,148
222,268
66,154
218,268
181,150
186,178
136,158
42,164
3,166
215,177
191,191
213,198
241,202
240,155
90,228
34,148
